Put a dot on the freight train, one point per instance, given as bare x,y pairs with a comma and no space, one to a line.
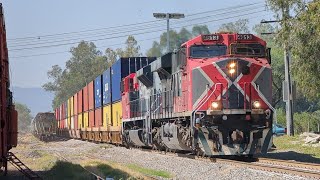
44,126
212,96
8,114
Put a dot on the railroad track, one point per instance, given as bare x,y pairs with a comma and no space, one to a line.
307,170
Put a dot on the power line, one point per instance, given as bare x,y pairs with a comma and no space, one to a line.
145,32
34,55
126,25
132,29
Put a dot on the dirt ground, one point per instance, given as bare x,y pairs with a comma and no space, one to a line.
76,159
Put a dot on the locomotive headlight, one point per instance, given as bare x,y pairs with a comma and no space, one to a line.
232,65
215,105
232,71
256,104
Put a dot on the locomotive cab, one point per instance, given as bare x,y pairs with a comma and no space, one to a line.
231,89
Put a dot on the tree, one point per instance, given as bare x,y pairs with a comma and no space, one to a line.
240,26
85,64
176,39
305,39
200,29
155,50
132,48
24,117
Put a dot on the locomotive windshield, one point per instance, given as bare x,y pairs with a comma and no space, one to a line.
207,51
248,49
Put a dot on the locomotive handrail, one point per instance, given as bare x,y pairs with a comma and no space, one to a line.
202,102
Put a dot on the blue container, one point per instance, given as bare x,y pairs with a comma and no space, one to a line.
98,92
106,87
122,68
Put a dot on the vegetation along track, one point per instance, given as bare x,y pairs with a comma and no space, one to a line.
307,170
93,174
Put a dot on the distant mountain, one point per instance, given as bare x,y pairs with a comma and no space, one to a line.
37,99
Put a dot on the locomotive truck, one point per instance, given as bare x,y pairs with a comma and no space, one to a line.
212,96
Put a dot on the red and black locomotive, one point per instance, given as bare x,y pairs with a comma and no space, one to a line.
211,96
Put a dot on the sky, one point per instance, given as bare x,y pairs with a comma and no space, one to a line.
41,32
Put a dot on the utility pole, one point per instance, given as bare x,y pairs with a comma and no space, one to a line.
288,86
168,16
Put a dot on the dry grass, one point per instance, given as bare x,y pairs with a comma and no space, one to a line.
295,143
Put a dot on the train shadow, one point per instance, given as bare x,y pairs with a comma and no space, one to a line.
292,155
66,170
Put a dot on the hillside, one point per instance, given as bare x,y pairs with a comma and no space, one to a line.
37,99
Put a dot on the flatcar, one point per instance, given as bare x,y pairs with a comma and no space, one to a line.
44,126
212,97
8,114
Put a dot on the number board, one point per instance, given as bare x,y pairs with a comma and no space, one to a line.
244,36
210,37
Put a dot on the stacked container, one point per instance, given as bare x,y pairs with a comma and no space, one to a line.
91,104
106,97
80,109
85,107
98,101
75,111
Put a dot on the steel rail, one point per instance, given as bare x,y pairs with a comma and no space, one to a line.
307,170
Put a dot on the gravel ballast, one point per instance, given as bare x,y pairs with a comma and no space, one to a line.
179,167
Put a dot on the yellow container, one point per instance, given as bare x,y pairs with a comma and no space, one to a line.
72,106
69,122
116,114
80,118
86,119
106,116
69,107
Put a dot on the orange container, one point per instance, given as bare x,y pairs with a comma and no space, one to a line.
85,99
91,95
91,119
98,117
80,101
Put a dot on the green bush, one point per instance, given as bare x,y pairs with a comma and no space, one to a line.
300,120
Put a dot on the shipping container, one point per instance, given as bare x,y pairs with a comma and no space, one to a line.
68,108
69,123
75,120
63,112
91,95
122,68
80,121
72,123
106,87
91,119
98,117
71,106
75,104
66,123
60,112
85,99
106,116
86,119
80,101
116,114
98,92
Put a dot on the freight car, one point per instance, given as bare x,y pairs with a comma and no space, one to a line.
44,126
8,114
212,96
